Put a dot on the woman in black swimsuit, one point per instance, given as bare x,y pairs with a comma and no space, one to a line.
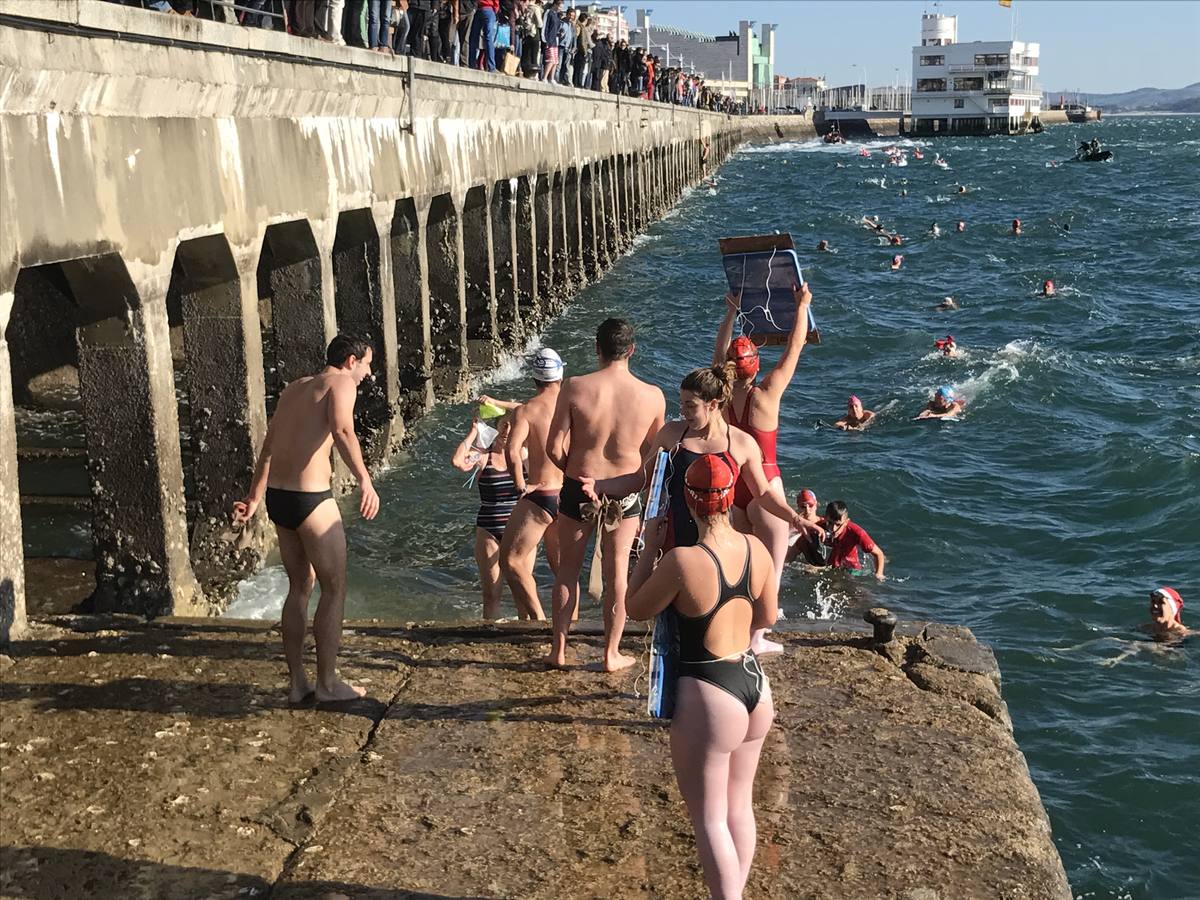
723,706
498,496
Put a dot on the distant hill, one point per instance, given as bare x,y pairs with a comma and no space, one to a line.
1184,99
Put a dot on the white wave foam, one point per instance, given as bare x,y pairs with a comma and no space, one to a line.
816,145
260,596
511,366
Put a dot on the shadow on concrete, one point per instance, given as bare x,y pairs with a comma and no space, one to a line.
517,709
52,873
217,700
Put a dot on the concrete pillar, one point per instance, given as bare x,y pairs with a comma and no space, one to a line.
563,276
527,254
639,193
623,200
410,282
574,237
543,217
216,299
139,528
600,206
612,212
365,306
483,346
12,554
289,280
447,297
630,195
619,208
504,254
660,175
588,212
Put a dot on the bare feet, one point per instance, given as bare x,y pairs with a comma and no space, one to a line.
556,660
615,662
301,692
339,691
762,647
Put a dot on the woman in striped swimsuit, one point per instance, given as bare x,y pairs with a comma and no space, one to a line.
497,498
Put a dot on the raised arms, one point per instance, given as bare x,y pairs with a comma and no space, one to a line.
781,376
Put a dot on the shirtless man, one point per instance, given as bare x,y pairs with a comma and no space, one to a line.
293,473
533,518
603,425
856,418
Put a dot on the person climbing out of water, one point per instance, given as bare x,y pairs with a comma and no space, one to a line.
856,418
947,345
1016,226
754,409
721,588
1047,288
897,261
293,474
481,452
961,226
808,544
823,247
534,517
1166,607
603,425
944,403
846,538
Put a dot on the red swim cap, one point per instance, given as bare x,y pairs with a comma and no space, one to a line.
709,485
744,355
807,496
1047,285
1169,596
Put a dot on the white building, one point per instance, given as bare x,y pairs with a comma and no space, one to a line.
975,88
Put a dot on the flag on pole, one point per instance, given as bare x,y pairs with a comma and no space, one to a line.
1007,3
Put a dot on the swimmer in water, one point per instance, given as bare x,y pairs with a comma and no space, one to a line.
943,404
961,226
1047,288
846,538
823,247
871,223
934,230
1166,606
895,240
897,262
904,192
962,189
1016,226
947,304
947,345
856,418
807,544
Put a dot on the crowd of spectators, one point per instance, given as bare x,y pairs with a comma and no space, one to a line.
535,39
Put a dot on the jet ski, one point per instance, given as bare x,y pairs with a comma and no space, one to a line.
1094,156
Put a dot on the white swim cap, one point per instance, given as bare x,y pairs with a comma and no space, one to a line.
547,365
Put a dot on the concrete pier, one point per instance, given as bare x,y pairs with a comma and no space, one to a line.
193,209
161,761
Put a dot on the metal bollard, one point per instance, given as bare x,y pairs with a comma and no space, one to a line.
883,622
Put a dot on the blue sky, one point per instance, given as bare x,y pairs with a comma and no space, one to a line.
1103,46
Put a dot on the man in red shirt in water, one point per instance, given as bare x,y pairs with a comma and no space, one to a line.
847,537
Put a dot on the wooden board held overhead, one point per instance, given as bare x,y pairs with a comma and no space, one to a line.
764,270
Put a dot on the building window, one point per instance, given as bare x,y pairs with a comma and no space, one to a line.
1030,61
968,84
991,59
960,103
933,60
930,85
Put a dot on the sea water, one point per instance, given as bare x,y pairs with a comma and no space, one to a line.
1041,520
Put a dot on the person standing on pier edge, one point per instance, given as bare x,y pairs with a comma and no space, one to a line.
754,409
602,427
484,25
314,414
723,706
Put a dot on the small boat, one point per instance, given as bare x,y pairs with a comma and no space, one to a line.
941,163
1102,156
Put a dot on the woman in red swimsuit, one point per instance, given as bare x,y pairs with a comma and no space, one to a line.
754,409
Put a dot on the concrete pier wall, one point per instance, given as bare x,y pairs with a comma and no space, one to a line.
191,210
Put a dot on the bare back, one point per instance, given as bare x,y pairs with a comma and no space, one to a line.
302,434
611,417
700,588
537,414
